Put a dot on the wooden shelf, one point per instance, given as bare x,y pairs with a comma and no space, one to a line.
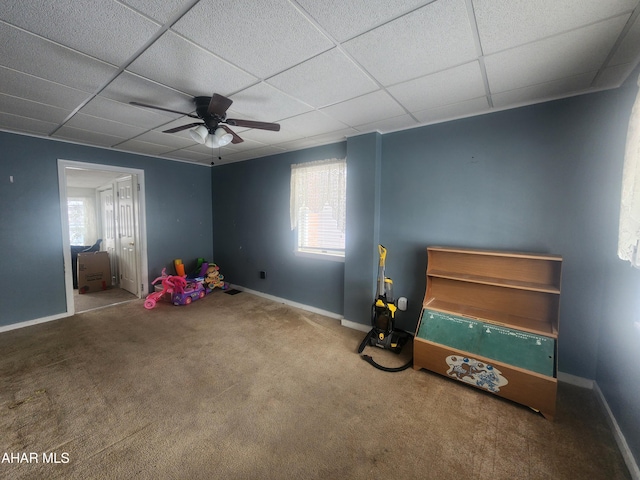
498,282
516,290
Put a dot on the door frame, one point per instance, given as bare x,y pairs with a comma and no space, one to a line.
141,223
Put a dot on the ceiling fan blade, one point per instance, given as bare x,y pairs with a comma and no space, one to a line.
236,137
219,105
138,104
183,127
252,124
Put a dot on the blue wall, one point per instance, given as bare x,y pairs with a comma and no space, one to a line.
178,214
252,231
544,178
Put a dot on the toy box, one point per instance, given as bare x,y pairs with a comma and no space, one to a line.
94,272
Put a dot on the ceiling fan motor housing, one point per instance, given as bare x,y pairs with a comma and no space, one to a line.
202,110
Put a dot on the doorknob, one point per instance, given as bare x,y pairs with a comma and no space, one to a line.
131,244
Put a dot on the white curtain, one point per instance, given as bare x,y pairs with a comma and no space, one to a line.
629,231
81,207
316,184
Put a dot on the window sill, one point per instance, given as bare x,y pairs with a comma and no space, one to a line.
320,256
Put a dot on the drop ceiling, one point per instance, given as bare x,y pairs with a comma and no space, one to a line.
324,70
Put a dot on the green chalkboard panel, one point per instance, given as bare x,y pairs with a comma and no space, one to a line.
450,330
513,347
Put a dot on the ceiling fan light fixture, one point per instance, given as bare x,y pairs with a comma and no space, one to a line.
223,137
199,134
212,141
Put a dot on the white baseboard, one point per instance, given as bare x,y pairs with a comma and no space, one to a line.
301,306
29,323
618,435
355,325
575,380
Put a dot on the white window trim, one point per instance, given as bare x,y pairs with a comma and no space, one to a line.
320,256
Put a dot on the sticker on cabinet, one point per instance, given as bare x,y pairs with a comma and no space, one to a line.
474,372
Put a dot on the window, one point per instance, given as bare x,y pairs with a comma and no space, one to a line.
318,207
629,231
82,223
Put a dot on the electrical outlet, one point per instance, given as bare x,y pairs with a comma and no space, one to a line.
263,274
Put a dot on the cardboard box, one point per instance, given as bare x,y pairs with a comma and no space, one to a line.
94,272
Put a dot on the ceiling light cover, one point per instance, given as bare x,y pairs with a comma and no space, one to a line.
212,141
223,137
199,134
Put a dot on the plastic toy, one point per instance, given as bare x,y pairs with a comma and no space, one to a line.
214,277
185,294
183,291
170,284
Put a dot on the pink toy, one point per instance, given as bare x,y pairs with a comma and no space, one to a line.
170,284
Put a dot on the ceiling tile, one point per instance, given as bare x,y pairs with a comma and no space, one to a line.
432,38
543,91
120,112
329,78
362,109
627,51
344,20
27,108
180,64
262,38
264,151
51,61
23,124
38,90
442,88
613,77
265,103
86,136
400,122
160,10
128,87
312,123
108,30
138,146
324,139
190,156
467,108
167,139
267,136
505,24
102,125
565,55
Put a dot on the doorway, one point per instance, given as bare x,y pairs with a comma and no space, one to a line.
114,211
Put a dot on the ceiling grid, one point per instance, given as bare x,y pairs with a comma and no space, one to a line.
323,70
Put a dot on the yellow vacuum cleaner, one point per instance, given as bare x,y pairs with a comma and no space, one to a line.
383,334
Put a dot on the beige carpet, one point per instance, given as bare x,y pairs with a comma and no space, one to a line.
240,387
101,298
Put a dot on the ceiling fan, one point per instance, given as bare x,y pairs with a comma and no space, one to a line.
213,129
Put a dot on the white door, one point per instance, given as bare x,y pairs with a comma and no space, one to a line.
108,217
126,227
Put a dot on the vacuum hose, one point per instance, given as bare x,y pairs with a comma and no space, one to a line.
372,362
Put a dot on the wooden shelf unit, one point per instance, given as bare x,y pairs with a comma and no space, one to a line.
515,290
